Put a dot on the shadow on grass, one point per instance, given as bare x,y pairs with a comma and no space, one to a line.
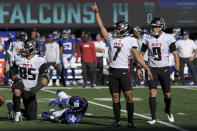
4,119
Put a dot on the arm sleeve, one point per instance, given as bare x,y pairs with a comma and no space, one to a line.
13,70
43,68
172,47
144,47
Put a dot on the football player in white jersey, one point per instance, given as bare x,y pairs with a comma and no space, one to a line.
121,45
159,45
29,73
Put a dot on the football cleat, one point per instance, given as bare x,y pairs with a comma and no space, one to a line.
50,83
170,117
18,117
131,125
74,82
84,86
57,83
67,83
151,122
11,112
93,85
115,124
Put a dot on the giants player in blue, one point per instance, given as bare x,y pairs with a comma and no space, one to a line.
73,109
67,53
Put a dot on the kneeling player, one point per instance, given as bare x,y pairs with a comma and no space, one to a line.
73,109
29,73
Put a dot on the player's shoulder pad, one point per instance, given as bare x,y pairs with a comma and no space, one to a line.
41,59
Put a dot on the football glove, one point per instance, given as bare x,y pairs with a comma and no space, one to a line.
177,74
17,80
46,115
54,102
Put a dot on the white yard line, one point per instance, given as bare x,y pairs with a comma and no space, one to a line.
140,115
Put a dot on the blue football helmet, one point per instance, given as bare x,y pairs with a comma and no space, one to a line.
56,34
66,33
176,30
76,104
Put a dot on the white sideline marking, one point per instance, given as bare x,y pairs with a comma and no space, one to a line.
140,115
122,99
88,114
182,114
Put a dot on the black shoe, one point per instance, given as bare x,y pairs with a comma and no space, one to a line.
131,125
11,112
115,124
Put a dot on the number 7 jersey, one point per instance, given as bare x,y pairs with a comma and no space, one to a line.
120,51
29,70
158,49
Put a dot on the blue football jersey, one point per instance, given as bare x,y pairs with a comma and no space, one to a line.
179,38
71,117
67,45
40,44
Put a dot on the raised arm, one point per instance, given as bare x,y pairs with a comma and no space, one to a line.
100,22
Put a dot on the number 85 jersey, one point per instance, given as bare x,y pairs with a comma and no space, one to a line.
158,49
29,70
120,51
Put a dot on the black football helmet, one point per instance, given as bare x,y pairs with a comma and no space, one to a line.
121,28
157,22
30,47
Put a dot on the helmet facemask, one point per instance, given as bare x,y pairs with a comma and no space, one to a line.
29,48
121,29
157,22
155,33
66,33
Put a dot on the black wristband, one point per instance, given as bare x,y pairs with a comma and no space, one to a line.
139,68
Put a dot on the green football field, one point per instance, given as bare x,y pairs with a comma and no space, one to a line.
99,114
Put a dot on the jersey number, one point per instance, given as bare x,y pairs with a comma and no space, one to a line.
117,52
68,46
26,73
157,53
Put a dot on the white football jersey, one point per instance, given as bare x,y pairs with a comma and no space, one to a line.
29,70
12,48
120,51
158,49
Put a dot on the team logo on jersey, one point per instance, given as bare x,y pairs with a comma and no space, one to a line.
118,44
